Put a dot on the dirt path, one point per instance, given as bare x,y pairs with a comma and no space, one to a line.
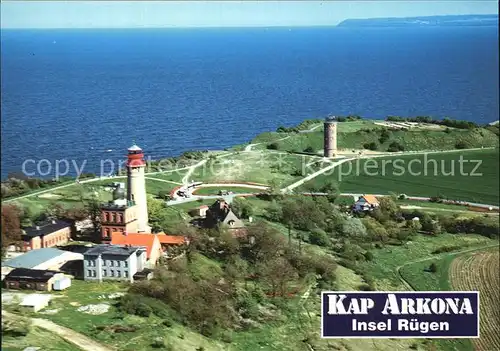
249,146
67,334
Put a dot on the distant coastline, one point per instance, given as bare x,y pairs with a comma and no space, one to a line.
424,21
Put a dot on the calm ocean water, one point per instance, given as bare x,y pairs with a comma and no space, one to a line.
77,94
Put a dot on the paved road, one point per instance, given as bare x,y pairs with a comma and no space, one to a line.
67,334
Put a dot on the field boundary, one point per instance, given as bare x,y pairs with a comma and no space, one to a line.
408,284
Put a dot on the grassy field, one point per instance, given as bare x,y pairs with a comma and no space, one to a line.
215,190
37,337
254,167
174,176
477,270
84,293
351,137
432,205
368,176
383,268
480,271
70,196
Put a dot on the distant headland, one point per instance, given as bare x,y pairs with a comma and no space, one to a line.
424,21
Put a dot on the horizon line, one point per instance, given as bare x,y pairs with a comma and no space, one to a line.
250,25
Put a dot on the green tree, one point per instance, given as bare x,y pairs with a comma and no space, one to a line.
242,207
319,237
413,226
92,207
157,213
375,229
268,242
389,206
353,228
332,190
274,211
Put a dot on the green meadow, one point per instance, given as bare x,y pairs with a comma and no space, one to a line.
422,175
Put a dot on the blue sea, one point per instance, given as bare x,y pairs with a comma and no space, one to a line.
88,94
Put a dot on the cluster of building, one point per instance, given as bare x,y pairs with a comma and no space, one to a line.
128,250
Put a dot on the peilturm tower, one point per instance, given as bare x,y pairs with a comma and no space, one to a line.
136,191
330,137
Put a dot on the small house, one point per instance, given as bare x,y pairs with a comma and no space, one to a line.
366,203
220,213
33,279
35,302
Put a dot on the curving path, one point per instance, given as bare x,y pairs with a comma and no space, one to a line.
80,340
250,146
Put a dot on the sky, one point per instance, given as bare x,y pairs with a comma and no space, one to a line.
144,14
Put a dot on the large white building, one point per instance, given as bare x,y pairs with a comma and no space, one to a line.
114,262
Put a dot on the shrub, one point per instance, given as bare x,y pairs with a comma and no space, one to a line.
368,256
226,337
460,145
309,149
437,199
319,237
249,307
433,267
395,147
365,287
143,310
384,136
167,323
158,343
273,146
143,306
446,249
371,146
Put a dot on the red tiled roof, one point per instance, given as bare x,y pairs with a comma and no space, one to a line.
171,239
370,199
134,239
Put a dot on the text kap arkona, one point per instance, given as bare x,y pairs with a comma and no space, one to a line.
341,305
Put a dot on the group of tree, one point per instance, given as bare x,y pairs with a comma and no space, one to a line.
348,118
257,272
384,135
304,125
